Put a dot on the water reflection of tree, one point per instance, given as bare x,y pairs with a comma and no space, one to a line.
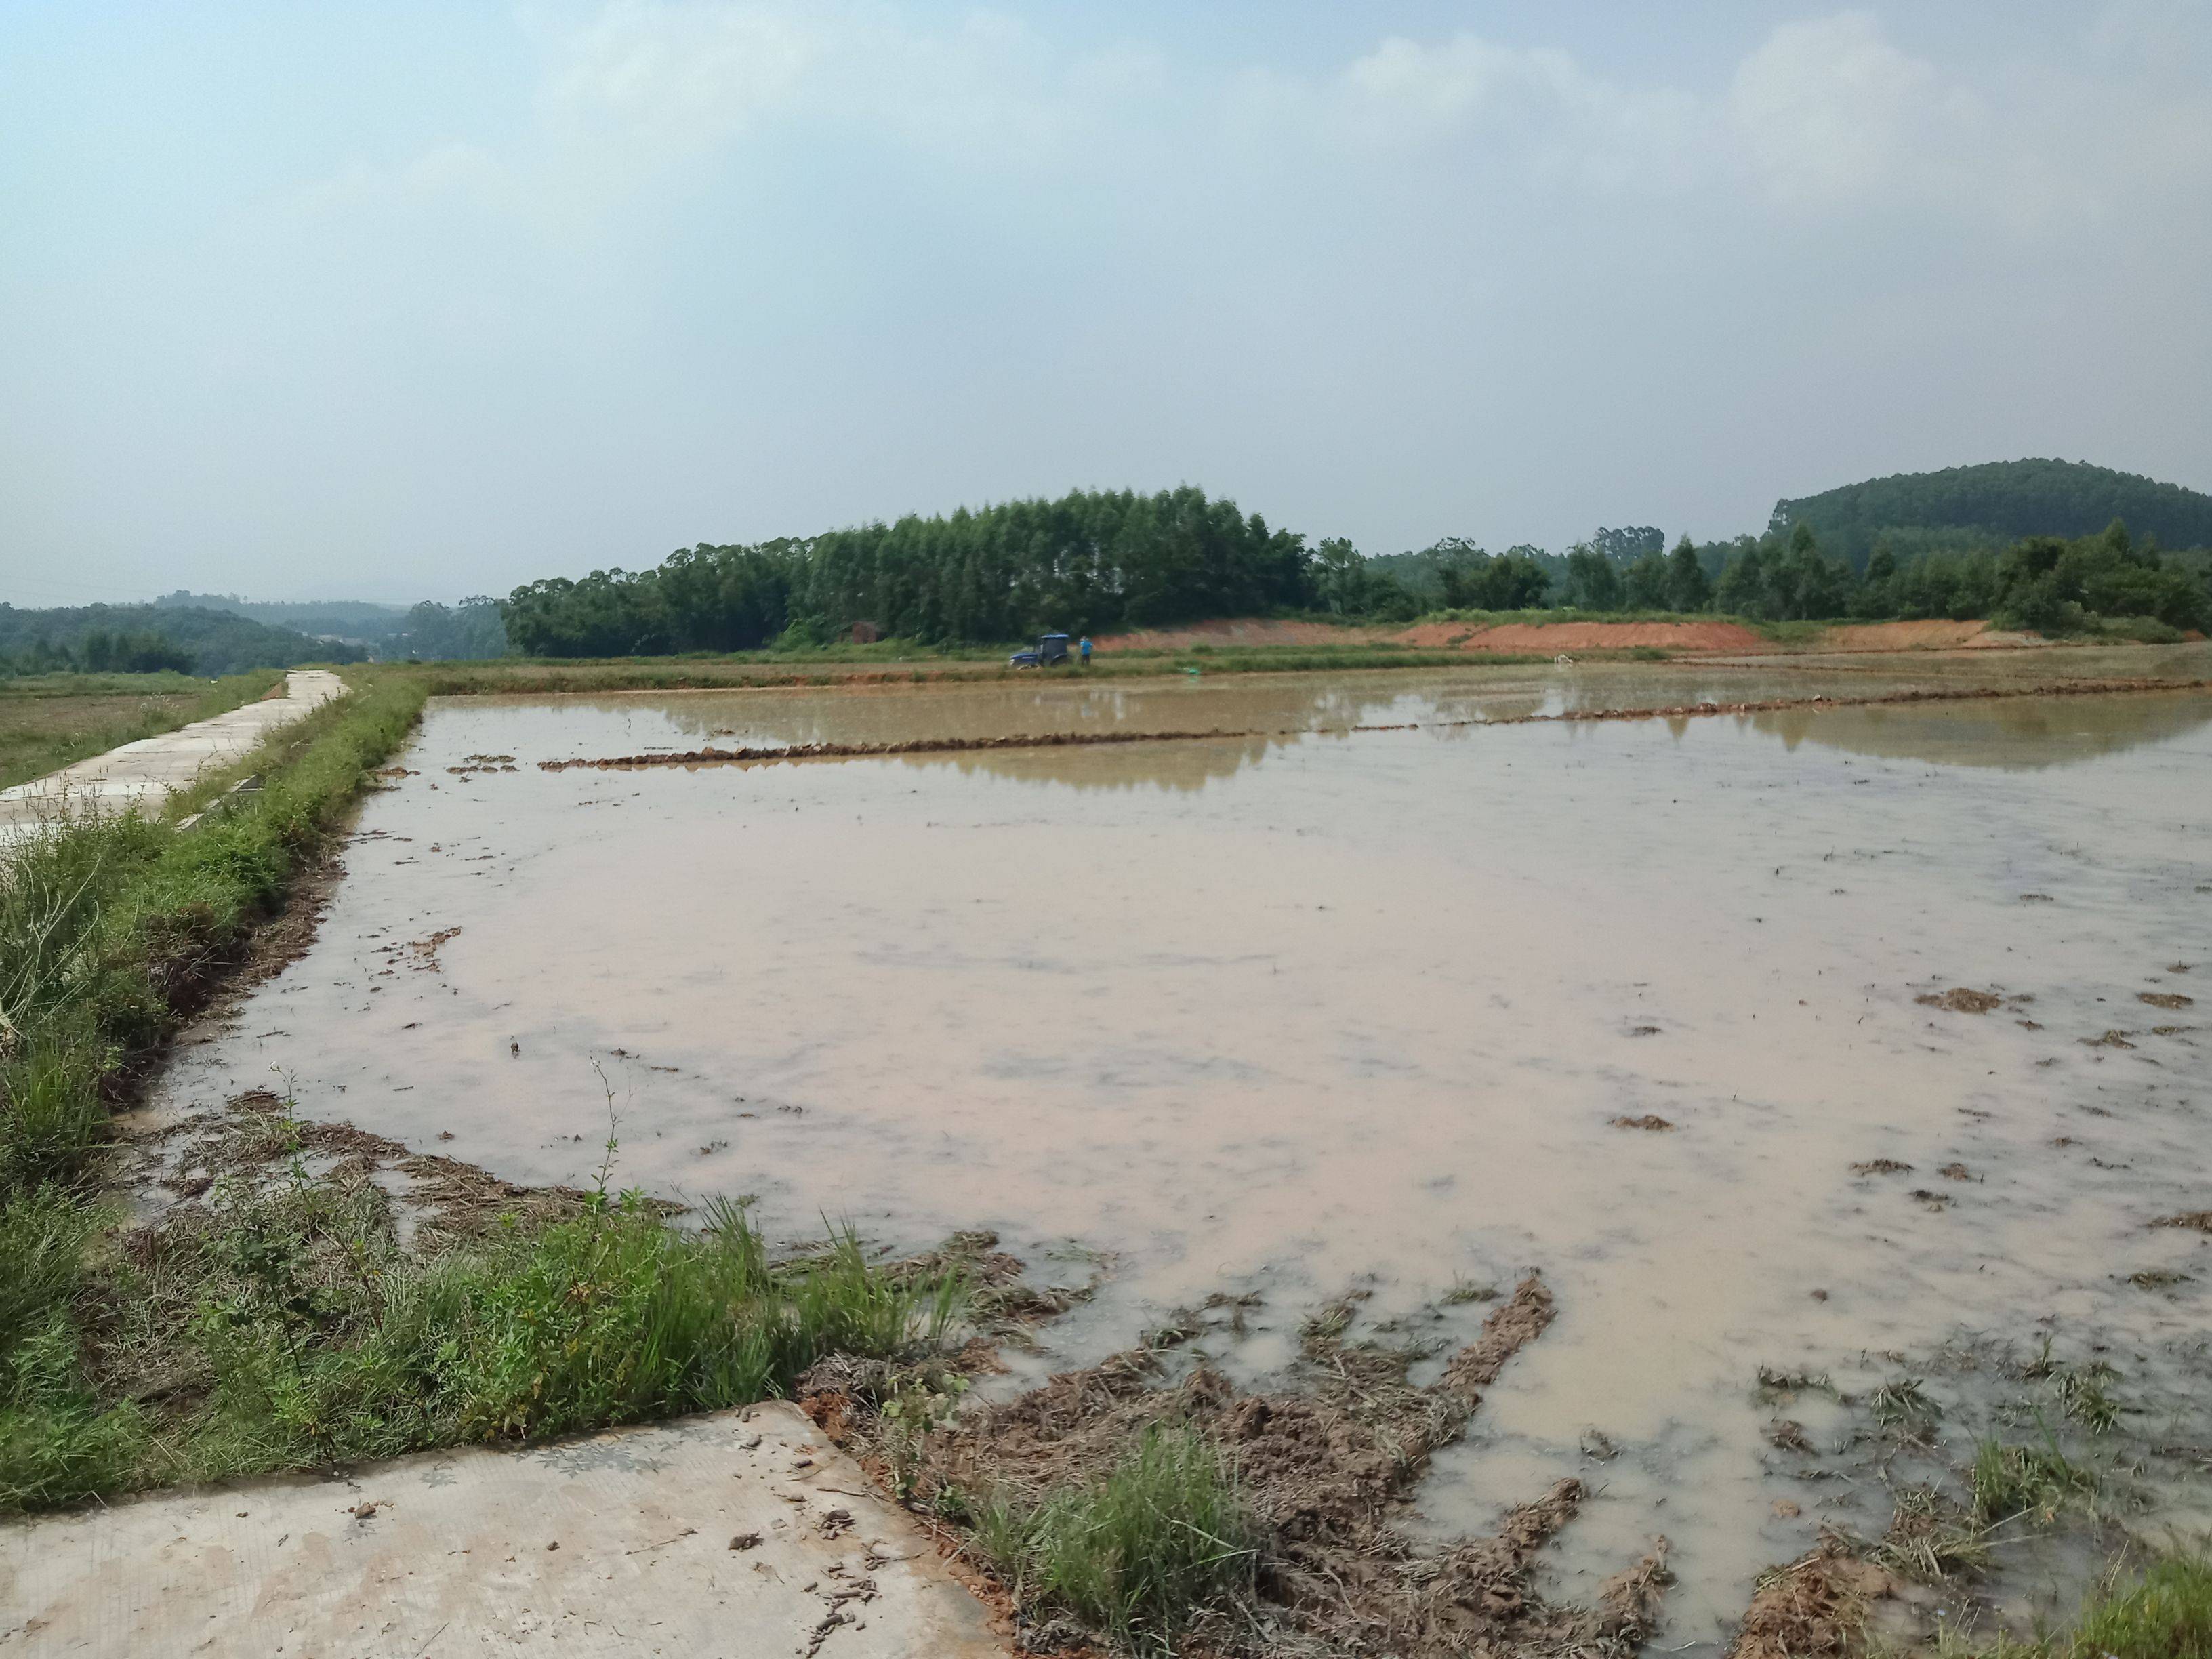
1261,713
1183,765
2016,734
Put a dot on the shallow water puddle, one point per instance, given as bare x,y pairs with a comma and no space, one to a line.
1310,1013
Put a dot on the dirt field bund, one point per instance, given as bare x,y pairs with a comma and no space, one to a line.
1331,1012
1934,635
1445,635
1586,636
1554,637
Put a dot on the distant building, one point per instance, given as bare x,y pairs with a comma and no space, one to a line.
865,633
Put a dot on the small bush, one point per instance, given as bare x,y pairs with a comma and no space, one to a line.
1140,1552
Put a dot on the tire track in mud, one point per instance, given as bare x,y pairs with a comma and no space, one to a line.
754,756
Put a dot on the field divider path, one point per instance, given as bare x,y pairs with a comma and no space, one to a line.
146,772
798,751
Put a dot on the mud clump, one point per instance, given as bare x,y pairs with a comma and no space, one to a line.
1787,1434
1960,1001
2165,999
1812,1608
1650,1120
1326,1472
2194,1221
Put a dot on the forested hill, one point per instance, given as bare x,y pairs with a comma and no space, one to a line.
1995,503
198,640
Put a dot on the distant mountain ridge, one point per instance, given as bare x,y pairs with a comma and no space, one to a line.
1996,502
349,619
470,629
217,641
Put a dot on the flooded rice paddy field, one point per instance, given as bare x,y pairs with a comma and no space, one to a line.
1322,1011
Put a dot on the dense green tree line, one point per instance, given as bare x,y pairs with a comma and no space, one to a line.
2049,584
1091,560
1094,562
471,630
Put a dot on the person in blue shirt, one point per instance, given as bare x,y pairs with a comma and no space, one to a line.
1084,646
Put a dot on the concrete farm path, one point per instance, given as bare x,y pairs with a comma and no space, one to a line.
146,772
737,1535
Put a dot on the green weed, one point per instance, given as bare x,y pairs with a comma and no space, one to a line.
2037,1481
2085,1396
2165,1614
1140,1552
1904,1406
1931,1539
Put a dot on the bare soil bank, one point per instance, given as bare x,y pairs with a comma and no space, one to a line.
1928,636
1588,636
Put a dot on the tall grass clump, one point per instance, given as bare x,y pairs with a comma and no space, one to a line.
325,1344
2165,1614
1140,1552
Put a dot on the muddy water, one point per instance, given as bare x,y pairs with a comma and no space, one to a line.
1328,1011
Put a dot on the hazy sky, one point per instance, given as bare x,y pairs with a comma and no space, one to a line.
395,300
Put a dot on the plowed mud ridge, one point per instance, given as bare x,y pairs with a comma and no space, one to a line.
749,755
1328,1468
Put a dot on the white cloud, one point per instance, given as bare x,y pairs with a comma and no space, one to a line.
1829,110
679,77
1826,117
1833,118
1505,110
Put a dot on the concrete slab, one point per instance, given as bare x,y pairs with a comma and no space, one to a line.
145,772
739,1534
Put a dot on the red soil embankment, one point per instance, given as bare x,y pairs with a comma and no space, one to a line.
1586,636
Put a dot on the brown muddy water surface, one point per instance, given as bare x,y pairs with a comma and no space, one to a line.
1328,1011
